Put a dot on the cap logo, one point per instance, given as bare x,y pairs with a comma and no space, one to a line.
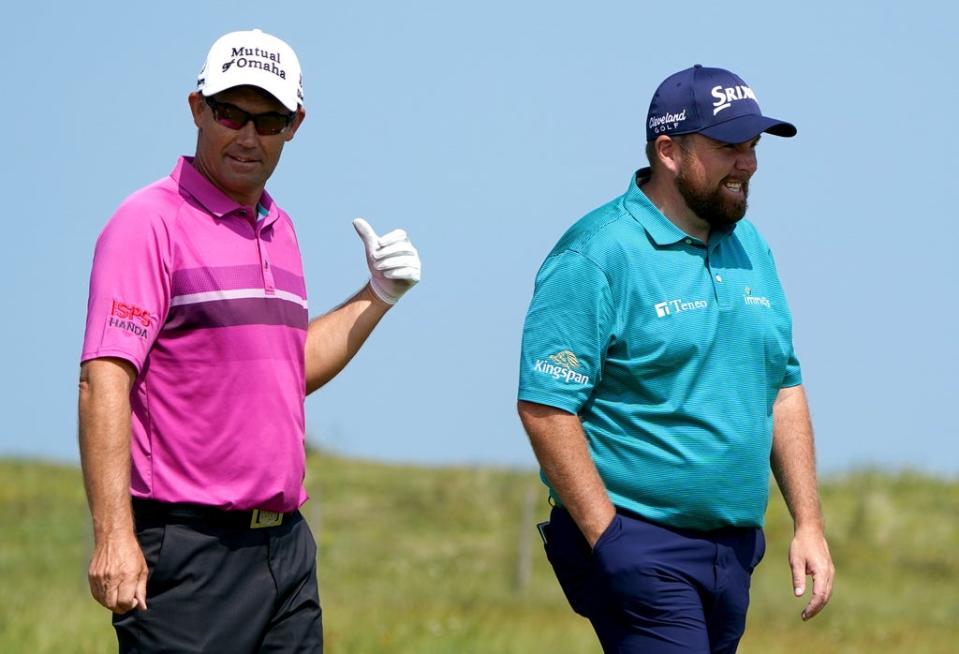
726,96
256,58
666,122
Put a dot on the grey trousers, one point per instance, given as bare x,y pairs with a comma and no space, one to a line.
219,586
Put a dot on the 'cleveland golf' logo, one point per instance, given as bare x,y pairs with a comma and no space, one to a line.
726,96
563,367
666,122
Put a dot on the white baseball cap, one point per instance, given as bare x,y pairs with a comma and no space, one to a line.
253,58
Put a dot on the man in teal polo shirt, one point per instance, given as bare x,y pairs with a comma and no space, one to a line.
658,383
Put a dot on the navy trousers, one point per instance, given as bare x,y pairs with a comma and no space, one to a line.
651,589
217,586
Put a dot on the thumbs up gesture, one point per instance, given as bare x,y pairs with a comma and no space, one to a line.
393,261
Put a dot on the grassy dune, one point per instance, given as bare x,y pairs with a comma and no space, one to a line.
420,560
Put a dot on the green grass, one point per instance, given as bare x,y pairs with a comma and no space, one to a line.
418,560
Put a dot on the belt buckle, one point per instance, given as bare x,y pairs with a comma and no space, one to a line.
262,519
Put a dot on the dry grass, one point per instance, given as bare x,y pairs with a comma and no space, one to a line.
424,560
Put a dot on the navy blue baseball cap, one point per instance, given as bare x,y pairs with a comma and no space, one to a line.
712,102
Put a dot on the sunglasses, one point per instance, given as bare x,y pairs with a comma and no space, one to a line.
266,124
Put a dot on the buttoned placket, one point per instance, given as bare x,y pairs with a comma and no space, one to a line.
260,226
715,279
720,287
268,284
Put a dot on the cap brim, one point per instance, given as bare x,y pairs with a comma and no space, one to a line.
282,95
745,128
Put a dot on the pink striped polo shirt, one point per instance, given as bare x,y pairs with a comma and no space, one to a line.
210,307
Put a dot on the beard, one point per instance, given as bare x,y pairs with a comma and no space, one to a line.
711,204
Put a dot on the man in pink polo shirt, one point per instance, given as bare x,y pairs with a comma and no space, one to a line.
197,356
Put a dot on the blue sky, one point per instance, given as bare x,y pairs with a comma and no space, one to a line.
485,130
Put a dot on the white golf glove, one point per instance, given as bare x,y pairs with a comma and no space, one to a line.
393,261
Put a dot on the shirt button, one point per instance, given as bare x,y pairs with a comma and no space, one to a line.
689,241
719,278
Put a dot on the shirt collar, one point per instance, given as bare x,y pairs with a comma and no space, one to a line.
191,180
660,228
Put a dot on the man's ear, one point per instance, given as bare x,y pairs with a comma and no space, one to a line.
197,105
300,117
669,153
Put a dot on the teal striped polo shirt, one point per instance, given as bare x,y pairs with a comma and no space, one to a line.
671,352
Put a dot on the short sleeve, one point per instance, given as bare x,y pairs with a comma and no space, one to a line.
792,375
566,333
129,286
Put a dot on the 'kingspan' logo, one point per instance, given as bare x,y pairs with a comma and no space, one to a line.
670,307
563,366
565,358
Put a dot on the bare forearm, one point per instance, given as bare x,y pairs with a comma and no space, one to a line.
560,446
334,338
794,464
793,457
104,420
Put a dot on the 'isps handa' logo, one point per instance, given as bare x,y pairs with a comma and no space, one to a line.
130,318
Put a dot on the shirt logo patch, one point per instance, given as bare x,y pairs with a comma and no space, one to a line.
130,318
563,367
670,307
757,300
566,359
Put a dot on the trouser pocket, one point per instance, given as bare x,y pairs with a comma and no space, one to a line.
571,558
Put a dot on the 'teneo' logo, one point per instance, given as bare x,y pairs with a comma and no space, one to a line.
670,307
726,96
563,367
